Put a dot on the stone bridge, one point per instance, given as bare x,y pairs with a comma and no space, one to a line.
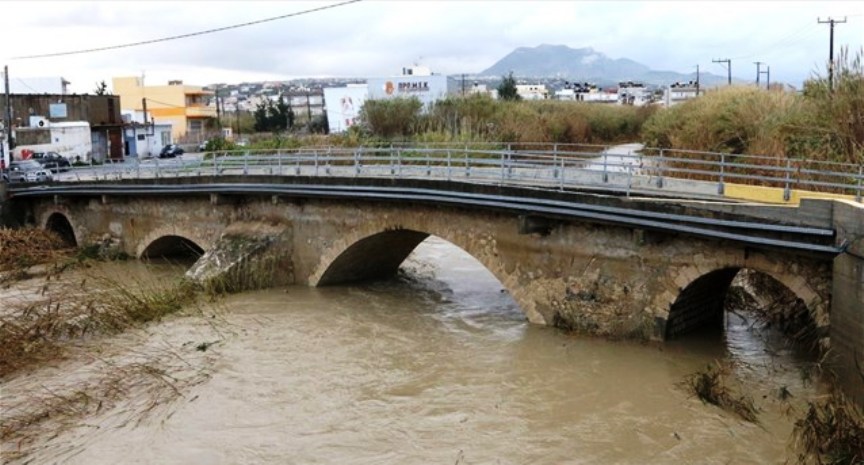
595,274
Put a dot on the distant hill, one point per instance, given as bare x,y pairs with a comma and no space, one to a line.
586,65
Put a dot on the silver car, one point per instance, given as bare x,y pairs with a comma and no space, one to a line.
26,171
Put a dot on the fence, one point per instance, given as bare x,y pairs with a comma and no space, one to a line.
543,165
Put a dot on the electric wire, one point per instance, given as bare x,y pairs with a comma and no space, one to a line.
185,36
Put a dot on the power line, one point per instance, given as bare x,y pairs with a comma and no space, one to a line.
184,36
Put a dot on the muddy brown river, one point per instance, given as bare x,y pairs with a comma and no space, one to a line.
436,366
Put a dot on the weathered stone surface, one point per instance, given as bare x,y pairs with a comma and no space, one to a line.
602,279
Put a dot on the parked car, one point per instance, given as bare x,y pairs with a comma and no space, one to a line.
26,171
171,151
52,161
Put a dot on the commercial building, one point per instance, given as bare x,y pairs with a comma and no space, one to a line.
343,104
187,108
416,82
44,111
71,140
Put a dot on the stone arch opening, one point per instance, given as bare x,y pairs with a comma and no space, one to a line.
708,301
171,247
425,262
59,224
372,258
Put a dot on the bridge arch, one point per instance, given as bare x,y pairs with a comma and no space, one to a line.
59,223
701,301
171,242
376,255
173,247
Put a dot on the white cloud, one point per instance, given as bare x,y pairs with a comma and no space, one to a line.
377,37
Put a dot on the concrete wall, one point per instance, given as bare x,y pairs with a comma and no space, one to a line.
847,309
600,279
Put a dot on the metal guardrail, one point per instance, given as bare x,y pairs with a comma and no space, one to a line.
557,166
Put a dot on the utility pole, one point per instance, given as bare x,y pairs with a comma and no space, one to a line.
831,22
697,80
463,84
728,69
758,71
768,78
8,106
218,110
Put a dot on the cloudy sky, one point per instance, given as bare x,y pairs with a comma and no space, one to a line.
378,37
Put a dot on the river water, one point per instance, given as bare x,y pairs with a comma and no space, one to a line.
438,366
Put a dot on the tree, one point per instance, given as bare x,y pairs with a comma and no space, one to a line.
273,117
507,88
101,88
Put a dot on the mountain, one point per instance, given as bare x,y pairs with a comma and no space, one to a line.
586,64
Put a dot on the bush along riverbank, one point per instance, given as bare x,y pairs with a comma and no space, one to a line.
66,307
817,123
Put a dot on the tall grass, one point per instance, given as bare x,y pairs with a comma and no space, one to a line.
33,329
479,118
815,124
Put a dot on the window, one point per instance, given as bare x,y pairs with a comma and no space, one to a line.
140,136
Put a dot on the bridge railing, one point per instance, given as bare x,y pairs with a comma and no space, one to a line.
544,165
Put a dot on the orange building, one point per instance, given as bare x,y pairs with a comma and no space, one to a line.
184,107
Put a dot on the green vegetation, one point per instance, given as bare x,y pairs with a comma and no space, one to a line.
507,88
480,119
274,117
816,124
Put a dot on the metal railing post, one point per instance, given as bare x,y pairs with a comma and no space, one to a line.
503,166
860,177
357,162
660,171
605,168
215,164
156,171
555,161
787,191
467,163
561,178
721,187
329,156
245,163
629,179
449,165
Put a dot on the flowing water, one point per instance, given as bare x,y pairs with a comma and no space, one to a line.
439,366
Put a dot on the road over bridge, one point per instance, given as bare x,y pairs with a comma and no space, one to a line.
601,261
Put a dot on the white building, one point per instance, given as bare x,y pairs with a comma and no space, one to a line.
70,139
343,105
532,91
37,85
592,96
144,140
633,93
680,92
